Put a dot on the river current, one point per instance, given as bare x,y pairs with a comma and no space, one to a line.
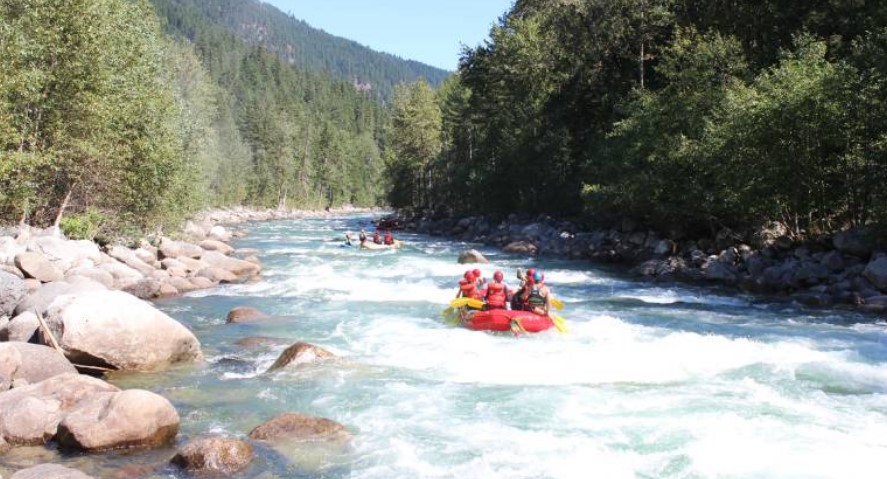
651,381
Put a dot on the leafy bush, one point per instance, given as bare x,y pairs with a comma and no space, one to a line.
84,225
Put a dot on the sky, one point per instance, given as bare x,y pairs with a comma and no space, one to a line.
429,31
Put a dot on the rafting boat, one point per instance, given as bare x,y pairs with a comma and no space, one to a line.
503,320
370,245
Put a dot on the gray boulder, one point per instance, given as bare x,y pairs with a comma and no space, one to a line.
40,299
214,455
295,426
236,266
876,273
12,291
23,364
300,353
20,328
133,418
855,241
129,258
214,245
243,314
520,247
217,275
472,256
64,254
115,329
30,415
92,272
719,271
49,471
34,265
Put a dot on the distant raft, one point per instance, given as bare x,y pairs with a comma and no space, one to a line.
370,245
508,320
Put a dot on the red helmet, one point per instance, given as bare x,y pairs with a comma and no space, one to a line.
469,275
498,276
531,272
476,273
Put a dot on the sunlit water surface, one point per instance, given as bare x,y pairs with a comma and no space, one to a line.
651,381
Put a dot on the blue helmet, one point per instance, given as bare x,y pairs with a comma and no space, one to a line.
538,276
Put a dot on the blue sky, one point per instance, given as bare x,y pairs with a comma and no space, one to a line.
428,31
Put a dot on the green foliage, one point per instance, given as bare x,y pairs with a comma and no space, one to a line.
693,114
83,226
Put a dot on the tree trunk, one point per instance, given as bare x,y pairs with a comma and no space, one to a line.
58,218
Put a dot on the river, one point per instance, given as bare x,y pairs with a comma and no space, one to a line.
651,381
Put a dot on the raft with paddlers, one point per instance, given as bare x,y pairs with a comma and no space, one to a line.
470,313
370,245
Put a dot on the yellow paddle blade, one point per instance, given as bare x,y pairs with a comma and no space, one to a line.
558,304
560,323
451,316
459,302
470,302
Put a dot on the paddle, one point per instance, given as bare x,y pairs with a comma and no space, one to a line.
558,304
451,316
560,323
470,302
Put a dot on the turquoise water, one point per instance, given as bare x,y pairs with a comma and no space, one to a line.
651,381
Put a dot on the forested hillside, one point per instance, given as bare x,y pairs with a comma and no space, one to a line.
109,119
686,114
297,43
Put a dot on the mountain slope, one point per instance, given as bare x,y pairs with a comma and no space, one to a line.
297,43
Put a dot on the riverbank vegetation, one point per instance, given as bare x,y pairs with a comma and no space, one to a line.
129,115
689,115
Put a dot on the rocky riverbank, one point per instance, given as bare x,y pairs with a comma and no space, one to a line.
849,269
69,306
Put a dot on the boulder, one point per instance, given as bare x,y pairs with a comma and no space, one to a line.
167,290
12,291
201,283
149,256
144,288
9,248
289,426
719,271
29,364
833,260
92,272
21,328
876,273
40,299
472,256
242,314
219,233
194,231
214,455
182,285
129,258
236,266
217,275
192,265
34,265
520,247
121,273
30,415
11,269
767,234
259,342
300,353
214,245
855,242
64,254
114,329
134,418
179,249
49,471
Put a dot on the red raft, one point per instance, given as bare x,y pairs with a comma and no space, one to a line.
501,320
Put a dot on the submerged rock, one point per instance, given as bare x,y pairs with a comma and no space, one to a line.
242,314
300,353
300,427
214,455
49,471
472,256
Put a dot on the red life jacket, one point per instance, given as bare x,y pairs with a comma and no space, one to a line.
468,290
496,295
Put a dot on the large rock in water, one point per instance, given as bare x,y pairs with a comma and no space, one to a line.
114,329
876,273
134,418
23,364
472,256
40,300
214,455
301,427
49,471
243,314
236,266
300,353
12,290
30,415
520,247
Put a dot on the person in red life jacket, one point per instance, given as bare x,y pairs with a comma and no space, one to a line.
377,238
537,295
468,287
496,294
389,240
